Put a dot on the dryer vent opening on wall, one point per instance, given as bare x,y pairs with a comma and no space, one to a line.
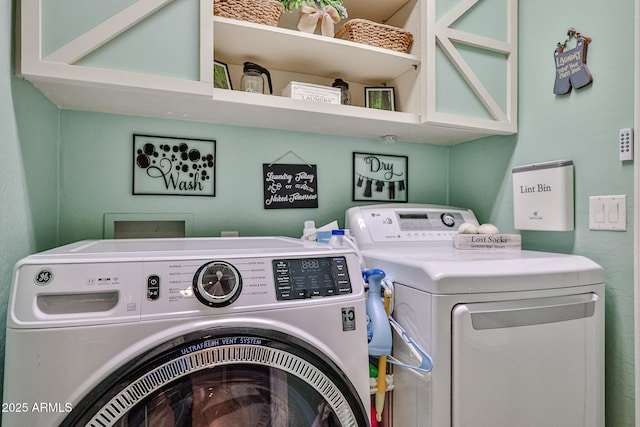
147,229
147,225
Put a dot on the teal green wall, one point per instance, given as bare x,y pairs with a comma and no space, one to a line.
97,160
583,127
28,163
14,221
62,170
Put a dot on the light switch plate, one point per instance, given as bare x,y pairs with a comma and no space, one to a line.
608,213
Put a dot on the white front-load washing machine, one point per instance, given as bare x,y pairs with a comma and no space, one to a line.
516,337
187,332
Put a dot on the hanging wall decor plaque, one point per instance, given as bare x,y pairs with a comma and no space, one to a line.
380,177
288,186
173,166
571,65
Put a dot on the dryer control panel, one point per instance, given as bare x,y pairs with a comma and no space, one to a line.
406,223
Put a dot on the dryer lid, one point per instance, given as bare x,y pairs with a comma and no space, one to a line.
443,270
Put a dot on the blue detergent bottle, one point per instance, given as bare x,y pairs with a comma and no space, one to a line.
378,327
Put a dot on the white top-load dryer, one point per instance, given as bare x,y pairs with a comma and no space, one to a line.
516,337
187,332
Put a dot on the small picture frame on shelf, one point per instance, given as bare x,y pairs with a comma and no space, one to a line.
380,98
221,77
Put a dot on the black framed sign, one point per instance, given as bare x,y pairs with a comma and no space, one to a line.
288,186
174,166
380,177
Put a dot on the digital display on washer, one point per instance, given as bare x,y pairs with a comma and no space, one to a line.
300,278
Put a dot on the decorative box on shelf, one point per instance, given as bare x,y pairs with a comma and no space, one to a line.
312,93
376,34
487,241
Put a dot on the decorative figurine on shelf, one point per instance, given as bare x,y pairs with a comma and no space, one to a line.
327,12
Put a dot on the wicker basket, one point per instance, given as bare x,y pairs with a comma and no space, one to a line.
265,12
375,34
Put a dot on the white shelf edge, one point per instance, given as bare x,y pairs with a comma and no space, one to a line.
199,102
308,53
311,38
284,103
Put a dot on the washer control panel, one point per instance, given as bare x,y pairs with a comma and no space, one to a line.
311,277
421,223
147,279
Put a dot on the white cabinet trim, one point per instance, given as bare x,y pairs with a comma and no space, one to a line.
108,30
73,86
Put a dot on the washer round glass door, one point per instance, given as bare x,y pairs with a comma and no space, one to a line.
234,378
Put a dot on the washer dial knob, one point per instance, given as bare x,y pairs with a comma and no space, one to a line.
448,219
217,284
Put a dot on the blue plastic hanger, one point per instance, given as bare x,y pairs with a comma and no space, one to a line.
426,364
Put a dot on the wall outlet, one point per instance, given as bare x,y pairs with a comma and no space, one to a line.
626,144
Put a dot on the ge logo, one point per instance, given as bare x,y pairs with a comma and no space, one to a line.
44,277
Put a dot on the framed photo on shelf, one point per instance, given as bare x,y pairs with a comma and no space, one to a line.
173,166
221,77
380,98
380,177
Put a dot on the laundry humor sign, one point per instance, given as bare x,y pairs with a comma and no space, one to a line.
288,186
173,166
571,67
